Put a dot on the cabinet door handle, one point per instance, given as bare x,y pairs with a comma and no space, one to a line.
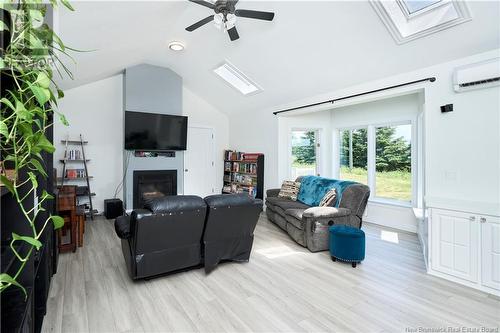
472,218
482,219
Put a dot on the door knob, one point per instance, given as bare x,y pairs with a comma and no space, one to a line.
186,170
482,219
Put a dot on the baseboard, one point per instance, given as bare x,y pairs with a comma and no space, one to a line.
396,217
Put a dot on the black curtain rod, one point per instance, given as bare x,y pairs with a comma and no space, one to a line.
431,79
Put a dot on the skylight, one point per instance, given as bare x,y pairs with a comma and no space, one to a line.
407,20
236,79
414,6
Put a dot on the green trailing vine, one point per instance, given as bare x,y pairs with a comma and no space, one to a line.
28,60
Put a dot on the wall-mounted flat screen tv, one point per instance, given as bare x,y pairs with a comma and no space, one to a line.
152,131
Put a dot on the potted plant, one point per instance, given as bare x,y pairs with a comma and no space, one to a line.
30,55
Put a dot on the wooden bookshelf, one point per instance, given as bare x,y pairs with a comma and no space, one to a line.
244,173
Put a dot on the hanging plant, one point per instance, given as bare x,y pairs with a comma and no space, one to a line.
30,55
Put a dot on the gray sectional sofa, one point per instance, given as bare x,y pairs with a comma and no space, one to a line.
309,225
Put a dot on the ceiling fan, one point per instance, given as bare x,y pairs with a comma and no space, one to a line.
225,16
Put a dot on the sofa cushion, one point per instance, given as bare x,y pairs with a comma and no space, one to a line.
313,189
281,206
329,199
276,202
271,202
294,216
289,190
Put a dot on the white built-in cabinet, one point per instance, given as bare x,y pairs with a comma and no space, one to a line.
490,258
465,248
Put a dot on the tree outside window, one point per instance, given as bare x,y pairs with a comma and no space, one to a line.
303,153
393,178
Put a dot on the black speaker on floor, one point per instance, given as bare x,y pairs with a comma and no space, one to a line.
113,208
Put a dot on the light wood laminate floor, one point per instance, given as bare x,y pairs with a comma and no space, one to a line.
283,288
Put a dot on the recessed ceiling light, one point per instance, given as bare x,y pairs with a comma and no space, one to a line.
237,79
176,46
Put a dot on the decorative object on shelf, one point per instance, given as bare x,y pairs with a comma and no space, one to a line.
73,174
28,92
244,173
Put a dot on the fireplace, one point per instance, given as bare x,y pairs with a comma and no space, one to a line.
152,184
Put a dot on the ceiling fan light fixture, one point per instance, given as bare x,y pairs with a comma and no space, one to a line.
219,21
176,46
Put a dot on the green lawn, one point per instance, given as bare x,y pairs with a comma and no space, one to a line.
393,184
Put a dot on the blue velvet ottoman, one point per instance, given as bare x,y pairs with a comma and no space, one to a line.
347,244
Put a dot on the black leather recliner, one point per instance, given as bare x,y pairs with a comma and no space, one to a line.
176,232
164,236
231,221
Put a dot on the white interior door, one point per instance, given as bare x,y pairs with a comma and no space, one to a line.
199,169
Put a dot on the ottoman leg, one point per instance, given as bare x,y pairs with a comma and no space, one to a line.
353,264
333,258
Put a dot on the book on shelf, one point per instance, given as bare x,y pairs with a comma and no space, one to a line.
231,155
251,156
243,173
73,154
75,173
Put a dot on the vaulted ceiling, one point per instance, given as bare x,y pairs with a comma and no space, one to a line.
310,47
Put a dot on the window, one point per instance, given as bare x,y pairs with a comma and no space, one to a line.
379,156
413,6
407,20
393,162
232,75
353,155
304,157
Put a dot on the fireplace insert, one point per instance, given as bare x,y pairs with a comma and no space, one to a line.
149,184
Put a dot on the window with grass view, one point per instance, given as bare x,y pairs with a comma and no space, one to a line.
393,162
381,157
354,155
304,153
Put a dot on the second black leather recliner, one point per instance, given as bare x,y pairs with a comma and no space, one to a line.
176,232
229,227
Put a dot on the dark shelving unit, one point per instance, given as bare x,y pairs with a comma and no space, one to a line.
250,180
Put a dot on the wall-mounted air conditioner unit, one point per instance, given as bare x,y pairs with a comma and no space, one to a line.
477,76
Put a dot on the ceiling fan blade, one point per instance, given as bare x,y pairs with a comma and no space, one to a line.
233,34
200,23
204,3
254,14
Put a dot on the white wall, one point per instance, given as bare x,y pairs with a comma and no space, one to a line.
202,114
96,111
462,148
257,132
